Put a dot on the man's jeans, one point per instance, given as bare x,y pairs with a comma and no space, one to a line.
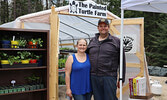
86,96
104,87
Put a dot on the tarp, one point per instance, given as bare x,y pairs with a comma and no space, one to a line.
159,6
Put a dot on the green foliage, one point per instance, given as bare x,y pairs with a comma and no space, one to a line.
113,6
33,79
65,48
34,56
24,55
9,11
39,41
62,62
3,56
22,42
13,59
61,80
157,54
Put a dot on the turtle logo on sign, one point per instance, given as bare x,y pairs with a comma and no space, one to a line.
73,7
128,43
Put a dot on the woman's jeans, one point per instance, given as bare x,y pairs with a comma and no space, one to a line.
86,96
104,87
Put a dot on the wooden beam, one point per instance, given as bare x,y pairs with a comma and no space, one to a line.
114,30
66,44
139,55
53,70
22,25
133,65
124,89
128,21
142,47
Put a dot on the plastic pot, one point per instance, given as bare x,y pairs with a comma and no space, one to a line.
32,44
4,62
25,61
5,43
14,44
33,61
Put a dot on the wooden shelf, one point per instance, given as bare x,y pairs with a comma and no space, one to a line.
24,92
24,68
20,71
148,96
22,49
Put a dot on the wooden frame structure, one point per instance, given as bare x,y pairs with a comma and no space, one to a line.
140,54
53,73
53,86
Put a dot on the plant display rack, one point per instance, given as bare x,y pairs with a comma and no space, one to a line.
22,89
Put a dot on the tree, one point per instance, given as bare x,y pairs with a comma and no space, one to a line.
4,11
157,55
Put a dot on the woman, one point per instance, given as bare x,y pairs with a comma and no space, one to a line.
77,73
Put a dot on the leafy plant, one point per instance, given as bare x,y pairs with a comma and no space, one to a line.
33,79
3,56
39,41
61,80
22,42
62,62
34,56
24,55
13,59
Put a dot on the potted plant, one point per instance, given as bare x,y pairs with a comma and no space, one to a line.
15,44
22,42
34,58
40,42
33,79
33,43
24,56
4,58
14,59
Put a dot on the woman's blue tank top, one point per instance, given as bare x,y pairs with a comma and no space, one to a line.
80,76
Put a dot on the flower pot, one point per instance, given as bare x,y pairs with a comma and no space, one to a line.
25,61
4,62
33,61
14,44
5,44
32,44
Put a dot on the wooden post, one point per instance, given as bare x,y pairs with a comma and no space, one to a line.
142,48
53,71
22,25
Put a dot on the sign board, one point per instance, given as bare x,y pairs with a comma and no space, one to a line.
129,43
87,8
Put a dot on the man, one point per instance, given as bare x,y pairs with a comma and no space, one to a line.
104,54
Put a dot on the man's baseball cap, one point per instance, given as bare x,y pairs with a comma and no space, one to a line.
103,21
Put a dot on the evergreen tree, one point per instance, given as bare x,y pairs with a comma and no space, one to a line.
158,52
